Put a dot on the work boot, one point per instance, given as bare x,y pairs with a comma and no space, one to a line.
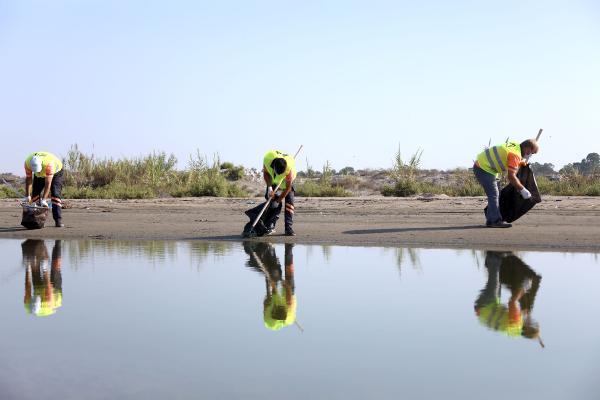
58,223
289,231
499,224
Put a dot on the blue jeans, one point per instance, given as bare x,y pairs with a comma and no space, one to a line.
491,186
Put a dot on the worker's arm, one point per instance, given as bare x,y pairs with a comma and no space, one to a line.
47,185
512,178
288,187
28,185
514,162
267,177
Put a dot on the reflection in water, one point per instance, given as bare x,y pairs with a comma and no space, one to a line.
43,285
513,318
280,301
156,251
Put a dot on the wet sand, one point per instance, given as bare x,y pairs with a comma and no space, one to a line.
557,224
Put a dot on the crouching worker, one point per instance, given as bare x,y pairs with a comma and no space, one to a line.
496,160
43,183
278,168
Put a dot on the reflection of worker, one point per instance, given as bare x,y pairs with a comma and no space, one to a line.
280,300
43,285
280,167
514,318
505,157
44,175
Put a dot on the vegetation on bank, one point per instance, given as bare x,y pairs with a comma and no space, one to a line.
155,175
322,186
151,176
575,179
407,180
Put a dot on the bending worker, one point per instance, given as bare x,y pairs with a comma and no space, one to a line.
279,305
280,167
507,157
43,285
512,317
44,178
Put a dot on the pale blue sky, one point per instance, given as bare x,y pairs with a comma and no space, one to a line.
348,79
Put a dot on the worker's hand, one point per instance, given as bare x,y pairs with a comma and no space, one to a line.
270,193
26,200
526,194
44,203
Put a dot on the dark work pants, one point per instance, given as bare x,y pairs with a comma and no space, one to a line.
289,211
55,192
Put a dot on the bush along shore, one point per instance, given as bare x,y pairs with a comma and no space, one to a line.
155,175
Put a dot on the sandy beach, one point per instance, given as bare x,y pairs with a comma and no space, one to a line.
556,224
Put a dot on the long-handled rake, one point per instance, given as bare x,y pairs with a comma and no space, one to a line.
252,232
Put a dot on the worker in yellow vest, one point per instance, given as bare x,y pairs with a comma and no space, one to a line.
496,160
512,318
43,282
279,305
279,167
43,182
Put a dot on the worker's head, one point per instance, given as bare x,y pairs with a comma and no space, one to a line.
279,165
531,329
529,147
36,164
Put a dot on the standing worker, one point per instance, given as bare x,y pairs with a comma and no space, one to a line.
44,178
280,167
507,157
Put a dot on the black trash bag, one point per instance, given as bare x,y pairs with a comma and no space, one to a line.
266,221
512,205
34,217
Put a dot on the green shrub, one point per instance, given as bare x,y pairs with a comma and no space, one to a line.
403,188
573,184
144,177
235,173
8,193
316,189
111,191
347,171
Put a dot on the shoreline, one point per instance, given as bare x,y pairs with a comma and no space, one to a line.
559,223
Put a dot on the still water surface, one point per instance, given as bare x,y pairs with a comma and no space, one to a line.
200,320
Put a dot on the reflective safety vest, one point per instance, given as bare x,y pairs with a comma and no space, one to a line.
50,164
291,167
495,316
42,306
278,301
495,159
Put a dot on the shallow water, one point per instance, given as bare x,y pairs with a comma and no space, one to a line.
191,320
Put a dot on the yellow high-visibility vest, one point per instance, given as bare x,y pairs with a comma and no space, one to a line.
50,163
495,316
291,167
495,159
279,300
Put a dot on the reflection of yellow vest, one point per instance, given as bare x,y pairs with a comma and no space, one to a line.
291,167
278,300
495,159
495,316
40,307
47,159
